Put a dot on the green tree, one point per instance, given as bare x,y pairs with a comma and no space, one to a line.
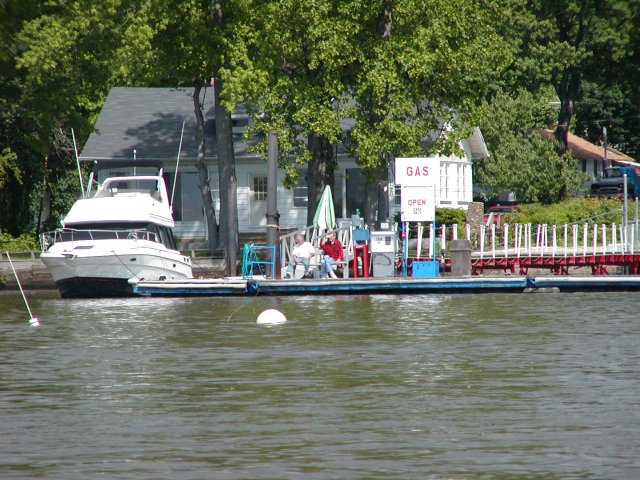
611,109
521,161
421,70
565,42
60,79
609,95
296,69
400,69
19,158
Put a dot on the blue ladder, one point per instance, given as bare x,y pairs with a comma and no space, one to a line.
251,259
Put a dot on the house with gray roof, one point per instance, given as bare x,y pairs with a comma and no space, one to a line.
147,123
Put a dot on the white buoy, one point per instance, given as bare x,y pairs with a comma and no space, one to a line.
33,321
271,317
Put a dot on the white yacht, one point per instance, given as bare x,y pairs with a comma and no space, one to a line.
120,231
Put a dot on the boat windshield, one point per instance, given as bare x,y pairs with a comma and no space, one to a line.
128,186
106,232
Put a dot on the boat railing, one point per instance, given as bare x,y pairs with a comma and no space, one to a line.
77,235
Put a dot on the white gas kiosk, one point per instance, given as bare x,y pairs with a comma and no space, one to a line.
383,246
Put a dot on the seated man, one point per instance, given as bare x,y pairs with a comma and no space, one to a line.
332,253
301,255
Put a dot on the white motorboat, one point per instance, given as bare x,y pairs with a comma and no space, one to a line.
120,231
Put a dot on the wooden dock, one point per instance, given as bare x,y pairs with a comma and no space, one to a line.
392,285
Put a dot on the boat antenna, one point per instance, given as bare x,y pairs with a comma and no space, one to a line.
75,149
175,178
33,321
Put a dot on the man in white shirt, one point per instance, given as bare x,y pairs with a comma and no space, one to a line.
301,255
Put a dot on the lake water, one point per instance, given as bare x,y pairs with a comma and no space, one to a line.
495,386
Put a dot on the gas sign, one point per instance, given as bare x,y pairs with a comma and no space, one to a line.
419,172
420,180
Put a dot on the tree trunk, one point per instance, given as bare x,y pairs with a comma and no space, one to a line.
370,209
376,207
383,192
567,83
228,182
567,90
320,172
203,173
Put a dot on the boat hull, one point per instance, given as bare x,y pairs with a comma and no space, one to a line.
103,273
96,287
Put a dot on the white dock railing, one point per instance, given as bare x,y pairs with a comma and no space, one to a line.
545,240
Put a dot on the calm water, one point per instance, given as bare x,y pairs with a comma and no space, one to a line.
512,386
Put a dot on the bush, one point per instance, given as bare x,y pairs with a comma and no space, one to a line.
449,216
574,210
446,216
23,243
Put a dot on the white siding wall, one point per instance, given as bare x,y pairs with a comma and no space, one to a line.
290,216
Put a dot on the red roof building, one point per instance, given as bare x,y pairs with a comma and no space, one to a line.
592,157
584,150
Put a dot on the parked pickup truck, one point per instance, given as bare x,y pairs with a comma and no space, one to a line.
611,183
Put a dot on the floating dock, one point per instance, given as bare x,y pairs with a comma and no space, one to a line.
238,286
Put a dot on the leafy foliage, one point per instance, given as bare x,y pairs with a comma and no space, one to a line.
22,243
522,161
562,43
450,216
614,107
575,210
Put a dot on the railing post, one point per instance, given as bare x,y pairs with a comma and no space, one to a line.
505,228
493,240
432,243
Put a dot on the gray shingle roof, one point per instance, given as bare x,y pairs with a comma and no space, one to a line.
149,120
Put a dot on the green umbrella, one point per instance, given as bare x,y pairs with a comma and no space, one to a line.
325,216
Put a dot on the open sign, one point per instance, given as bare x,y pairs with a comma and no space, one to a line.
417,204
